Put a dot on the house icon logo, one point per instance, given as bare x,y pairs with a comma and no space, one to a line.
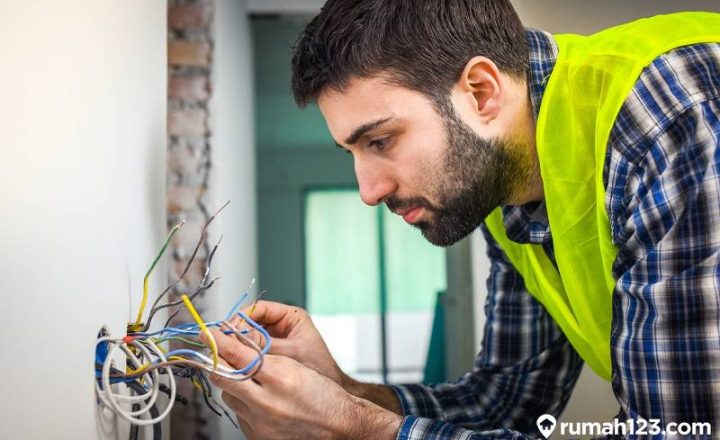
546,424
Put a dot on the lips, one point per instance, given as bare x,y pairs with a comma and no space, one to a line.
410,215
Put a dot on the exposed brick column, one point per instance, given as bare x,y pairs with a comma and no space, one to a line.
190,48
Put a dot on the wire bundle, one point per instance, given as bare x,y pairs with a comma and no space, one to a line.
151,368
147,362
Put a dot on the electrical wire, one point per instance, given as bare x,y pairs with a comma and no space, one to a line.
201,240
203,328
135,429
148,363
150,369
137,324
192,296
181,339
236,307
252,308
201,288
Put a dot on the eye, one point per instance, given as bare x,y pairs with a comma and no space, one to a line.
379,144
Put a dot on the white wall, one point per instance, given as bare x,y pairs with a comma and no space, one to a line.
82,172
233,160
593,399
233,148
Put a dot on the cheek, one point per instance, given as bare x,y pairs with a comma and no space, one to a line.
429,162
422,158
422,176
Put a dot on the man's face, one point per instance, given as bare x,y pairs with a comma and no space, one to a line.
426,165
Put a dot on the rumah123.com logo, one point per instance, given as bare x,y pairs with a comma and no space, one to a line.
546,424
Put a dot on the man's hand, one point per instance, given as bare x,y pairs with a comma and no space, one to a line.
286,400
295,336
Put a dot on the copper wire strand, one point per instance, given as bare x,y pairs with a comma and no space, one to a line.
203,235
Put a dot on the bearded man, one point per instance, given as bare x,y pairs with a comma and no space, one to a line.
592,166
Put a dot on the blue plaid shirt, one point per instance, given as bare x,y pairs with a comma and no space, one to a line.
663,198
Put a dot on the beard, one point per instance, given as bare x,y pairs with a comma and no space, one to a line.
477,175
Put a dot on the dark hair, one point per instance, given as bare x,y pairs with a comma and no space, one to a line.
420,44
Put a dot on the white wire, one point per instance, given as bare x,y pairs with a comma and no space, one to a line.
112,397
113,400
128,416
155,381
109,398
150,380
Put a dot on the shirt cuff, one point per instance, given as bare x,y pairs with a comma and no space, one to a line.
419,428
418,400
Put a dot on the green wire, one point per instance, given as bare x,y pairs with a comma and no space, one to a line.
178,338
147,275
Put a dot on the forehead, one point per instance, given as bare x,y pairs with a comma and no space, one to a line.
368,99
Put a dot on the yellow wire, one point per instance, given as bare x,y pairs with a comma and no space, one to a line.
143,303
163,349
250,312
203,328
144,367
137,325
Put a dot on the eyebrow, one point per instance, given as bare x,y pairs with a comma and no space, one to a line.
361,130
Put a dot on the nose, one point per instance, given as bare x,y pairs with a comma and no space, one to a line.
374,180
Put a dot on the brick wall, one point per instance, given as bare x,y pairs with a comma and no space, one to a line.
190,56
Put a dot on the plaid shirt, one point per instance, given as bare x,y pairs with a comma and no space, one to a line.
663,198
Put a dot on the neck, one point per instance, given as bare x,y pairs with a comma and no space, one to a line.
530,188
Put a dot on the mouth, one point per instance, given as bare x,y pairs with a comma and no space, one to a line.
410,215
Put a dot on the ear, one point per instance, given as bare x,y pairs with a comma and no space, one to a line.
480,86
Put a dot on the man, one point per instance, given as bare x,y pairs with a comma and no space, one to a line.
592,166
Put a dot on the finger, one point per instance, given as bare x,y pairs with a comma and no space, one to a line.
238,355
256,340
249,332
246,429
279,319
236,387
236,405
278,345
283,347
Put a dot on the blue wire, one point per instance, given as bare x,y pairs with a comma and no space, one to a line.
249,366
184,329
236,306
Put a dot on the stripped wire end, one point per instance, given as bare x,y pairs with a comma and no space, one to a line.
259,297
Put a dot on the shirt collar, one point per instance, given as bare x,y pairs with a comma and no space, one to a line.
528,223
543,54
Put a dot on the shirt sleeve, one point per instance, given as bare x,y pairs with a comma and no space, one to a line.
525,368
666,305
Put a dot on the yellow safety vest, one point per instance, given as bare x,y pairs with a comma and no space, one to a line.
591,79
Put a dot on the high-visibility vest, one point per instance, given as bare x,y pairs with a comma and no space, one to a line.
592,77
